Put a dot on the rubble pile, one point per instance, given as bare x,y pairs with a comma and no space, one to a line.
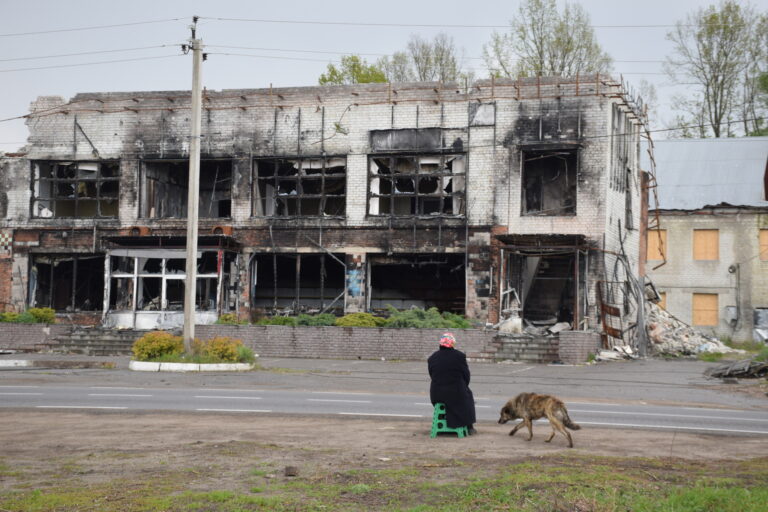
668,335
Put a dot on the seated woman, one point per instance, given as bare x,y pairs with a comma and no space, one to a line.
449,372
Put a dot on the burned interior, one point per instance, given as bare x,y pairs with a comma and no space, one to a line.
403,185
67,282
549,181
298,283
75,189
417,280
165,184
305,187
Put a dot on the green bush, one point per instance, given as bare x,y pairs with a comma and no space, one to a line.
230,319
43,315
762,355
425,319
157,344
278,320
221,348
322,319
9,317
27,317
357,320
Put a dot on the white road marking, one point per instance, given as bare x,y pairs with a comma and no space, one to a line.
75,407
592,403
114,387
114,394
732,418
19,386
335,400
381,414
476,406
229,390
20,393
233,410
230,397
670,427
339,393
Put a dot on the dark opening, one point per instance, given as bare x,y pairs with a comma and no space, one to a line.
75,189
545,284
423,281
549,182
67,282
165,188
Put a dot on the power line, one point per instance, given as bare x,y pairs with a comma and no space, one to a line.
95,27
89,63
88,53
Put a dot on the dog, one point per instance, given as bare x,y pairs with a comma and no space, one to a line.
532,406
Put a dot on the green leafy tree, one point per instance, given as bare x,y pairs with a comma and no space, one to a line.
713,52
544,41
352,70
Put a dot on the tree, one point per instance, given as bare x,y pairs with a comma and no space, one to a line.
543,41
352,70
424,60
712,50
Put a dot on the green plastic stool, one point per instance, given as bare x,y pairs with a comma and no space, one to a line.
440,425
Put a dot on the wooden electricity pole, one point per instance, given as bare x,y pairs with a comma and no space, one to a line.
190,284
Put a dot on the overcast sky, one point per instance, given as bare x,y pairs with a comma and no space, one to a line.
165,68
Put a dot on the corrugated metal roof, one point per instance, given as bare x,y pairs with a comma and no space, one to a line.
695,173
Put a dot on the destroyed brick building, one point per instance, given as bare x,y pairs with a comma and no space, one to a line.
713,235
502,197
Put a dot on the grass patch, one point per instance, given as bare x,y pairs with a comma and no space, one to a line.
710,357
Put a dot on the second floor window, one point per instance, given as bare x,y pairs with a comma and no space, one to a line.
423,185
165,189
300,187
75,189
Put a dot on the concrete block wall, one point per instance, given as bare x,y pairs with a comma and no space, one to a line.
29,337
576,346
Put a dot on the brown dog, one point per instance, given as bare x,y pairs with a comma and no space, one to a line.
531,406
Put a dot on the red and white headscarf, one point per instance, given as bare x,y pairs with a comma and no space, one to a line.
447,340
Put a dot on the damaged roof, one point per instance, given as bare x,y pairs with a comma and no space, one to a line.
697,173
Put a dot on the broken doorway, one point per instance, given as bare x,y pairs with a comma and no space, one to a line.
165,186
549,182
298,283
417,280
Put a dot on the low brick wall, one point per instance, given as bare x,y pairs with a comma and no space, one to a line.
29,337
345,342
576,346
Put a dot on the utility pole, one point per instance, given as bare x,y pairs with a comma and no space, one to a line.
190,284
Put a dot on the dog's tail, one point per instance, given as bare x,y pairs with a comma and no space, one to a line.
568,422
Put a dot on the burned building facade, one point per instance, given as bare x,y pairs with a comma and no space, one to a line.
505,197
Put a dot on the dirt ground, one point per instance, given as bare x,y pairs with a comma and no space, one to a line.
36,447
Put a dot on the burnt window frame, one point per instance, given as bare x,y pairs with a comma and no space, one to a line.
260,211
75,257
142,186
98,181
443,172
574,152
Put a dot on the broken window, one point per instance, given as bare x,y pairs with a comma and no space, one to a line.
165,188
75,189
300,187
549,182
402,185
67,282
298,282
415,280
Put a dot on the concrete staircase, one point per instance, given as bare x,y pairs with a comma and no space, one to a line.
95,341
526,349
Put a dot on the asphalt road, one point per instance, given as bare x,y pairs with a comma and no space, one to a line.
255,401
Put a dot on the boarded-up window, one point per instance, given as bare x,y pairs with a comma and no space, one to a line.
706,244
705,309
663,300
657,244
764,244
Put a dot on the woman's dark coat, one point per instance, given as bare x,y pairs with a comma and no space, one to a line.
450,385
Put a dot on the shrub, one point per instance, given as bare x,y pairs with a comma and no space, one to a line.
26,318
278,320
316,320
156,344
8,317
221,347
357,320
43,315
230,319
425,319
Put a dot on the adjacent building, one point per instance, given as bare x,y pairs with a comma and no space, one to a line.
713,211
496,198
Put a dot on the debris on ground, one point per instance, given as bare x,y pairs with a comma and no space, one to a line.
668,335
616,353
745,369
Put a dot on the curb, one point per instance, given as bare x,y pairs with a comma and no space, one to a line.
56,364
145,366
